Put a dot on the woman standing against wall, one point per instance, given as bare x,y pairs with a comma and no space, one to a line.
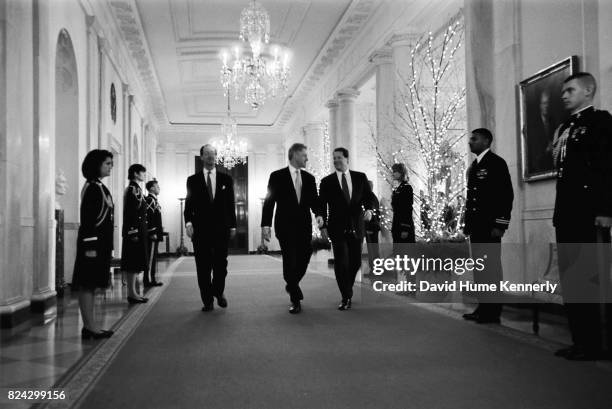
134,249
402,199
95,239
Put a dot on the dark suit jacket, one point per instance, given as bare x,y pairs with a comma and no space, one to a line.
210,220
292,218
489,195
584,179
339,215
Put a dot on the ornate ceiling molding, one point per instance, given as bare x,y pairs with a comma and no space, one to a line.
353,20
128,21
127,18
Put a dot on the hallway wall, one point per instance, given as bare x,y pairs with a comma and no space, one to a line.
520,41
29,139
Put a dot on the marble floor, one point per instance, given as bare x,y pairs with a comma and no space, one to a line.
41,352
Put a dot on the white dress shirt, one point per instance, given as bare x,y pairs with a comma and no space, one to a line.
348,181
213,179
482,154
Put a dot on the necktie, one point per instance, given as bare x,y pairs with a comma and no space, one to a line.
298,185
345,189
209,186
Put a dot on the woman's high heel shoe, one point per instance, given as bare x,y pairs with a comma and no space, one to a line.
87,334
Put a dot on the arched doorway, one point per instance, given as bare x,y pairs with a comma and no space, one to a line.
67,167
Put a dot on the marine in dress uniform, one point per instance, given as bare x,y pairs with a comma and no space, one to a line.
155,235
582,152
487,216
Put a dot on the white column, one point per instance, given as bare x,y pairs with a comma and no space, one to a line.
43,282
346,132
479,64
385,109
313,137
332,126
16,167
93,82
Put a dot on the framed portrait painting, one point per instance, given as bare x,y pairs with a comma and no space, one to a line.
542,112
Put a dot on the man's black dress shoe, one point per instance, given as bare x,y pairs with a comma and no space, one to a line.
487,320
157,284
222,302
208,307
345,305
87,334
132,300
295,308
472,316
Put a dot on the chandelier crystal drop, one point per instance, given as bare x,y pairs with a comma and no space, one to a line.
230,150
255,27
255,76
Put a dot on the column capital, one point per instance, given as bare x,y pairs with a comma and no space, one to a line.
383,55
347,94
312,127
407,39
331,104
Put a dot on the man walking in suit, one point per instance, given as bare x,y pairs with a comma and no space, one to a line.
210,218
582,154
155,230
487,216
294,192
346,201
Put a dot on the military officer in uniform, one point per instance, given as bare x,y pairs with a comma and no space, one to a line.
134,247
582,153
487,216
155,231
402,199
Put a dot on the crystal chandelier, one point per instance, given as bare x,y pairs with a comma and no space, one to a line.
230,150
253,76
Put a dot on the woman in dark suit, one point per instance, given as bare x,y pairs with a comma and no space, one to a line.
95,239
134,250
402,229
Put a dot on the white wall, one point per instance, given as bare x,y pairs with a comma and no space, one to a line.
520,41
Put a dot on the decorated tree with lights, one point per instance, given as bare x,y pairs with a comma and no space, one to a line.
319,164
429,119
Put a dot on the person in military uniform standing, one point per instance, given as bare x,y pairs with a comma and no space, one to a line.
487,216
134,249
402,229
372,228
95,239
155,231
582,154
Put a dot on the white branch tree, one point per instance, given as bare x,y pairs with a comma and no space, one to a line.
430,121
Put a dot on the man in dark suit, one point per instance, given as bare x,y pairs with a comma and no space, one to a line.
582,153
155,230
294,192
487,216
346,201
210,218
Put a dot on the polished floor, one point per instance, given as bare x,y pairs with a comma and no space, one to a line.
386,352
43,351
